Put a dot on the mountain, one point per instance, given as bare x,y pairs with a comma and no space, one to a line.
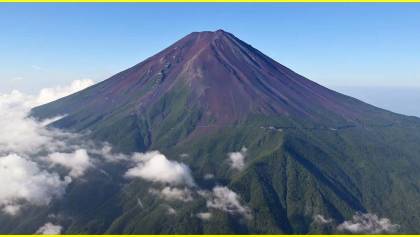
220,79
314,157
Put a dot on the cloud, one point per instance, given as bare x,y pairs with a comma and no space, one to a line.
77,162
173,194
19,132
224,199
46,95
155,167
171,210
23,180
12,209
320,219
24,135
49,229
25,142
204,215
237,159
105,151
50,94
367,223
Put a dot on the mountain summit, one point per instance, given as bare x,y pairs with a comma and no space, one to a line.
302,158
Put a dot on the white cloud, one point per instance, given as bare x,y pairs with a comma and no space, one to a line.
18,132
12,209
23,139
26,102
50,94
204,215
367,223
21,133
171,211
237,159
224,199
155,167
23,180
320,219
173,194
49,229
77,162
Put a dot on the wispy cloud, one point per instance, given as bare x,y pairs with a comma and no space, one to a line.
173,194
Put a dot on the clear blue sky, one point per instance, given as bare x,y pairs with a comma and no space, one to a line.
333,44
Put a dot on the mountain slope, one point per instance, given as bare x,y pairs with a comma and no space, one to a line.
310,151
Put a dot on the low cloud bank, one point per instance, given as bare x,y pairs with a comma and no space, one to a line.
28,148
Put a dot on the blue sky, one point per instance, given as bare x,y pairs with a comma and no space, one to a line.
337,45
